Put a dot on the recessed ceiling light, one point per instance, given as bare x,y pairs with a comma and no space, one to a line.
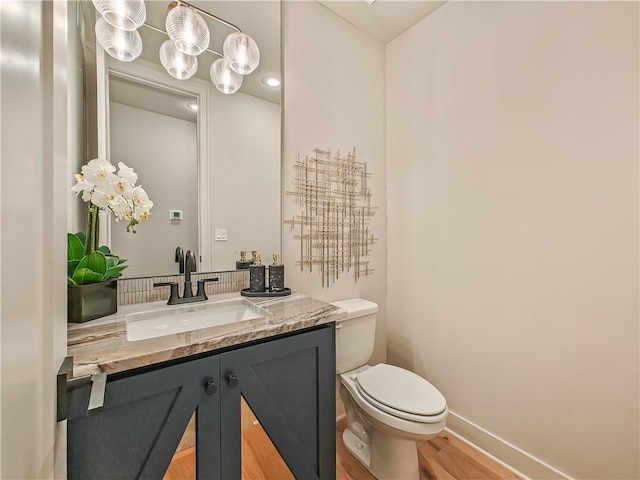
192,106
370,2
271,81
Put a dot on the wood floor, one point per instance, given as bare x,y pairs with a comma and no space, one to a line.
443,457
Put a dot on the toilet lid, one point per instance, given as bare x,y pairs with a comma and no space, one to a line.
402,390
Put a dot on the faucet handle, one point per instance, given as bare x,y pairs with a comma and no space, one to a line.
179,258
173,296
201,284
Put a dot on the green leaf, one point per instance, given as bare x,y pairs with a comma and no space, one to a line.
112,261
104,249
97,262
114,272
71,267
75,248
83,276
82,237
121,260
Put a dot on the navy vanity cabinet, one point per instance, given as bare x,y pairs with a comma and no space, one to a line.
288,382
137,430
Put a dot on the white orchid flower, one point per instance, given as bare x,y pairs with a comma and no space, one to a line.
123,188
140,197
127,174
98,172
119,207
81,185
117,193
140,214
102,199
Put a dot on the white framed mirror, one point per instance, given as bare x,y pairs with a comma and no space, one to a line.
236,139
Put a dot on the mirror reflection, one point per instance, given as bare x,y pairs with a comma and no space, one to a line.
213,174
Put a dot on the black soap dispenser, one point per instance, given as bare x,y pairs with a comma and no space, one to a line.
276,275
243,263
256,275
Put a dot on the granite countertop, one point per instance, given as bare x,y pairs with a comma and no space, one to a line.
102,346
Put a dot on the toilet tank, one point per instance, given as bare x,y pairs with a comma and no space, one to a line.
356,334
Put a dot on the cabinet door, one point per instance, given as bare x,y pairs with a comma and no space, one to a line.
289,384
136,432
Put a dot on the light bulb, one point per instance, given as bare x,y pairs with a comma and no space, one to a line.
242,53
226,80
188,30
271,81
177,64
123,14
120,44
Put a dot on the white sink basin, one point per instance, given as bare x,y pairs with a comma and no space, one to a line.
185,318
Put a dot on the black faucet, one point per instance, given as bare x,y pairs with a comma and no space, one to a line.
187,297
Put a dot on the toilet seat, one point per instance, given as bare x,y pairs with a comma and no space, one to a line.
401,393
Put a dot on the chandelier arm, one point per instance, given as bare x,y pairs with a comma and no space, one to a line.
207,14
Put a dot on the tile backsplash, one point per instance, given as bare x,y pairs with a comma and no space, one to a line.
141,290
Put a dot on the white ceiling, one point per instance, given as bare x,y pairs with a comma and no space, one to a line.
146,97
385,19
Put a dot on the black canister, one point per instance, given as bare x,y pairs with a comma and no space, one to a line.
276,278
243,264
256,278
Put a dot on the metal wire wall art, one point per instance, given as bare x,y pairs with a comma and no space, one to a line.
335,215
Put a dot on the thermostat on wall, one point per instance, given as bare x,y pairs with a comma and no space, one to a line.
175,214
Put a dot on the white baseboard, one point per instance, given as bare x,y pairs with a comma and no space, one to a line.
521,463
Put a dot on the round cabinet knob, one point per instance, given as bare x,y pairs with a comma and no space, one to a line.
232,380
210,387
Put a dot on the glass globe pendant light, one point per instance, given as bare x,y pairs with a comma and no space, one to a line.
177,64
242,53
120,44
226,80
123,14
187,29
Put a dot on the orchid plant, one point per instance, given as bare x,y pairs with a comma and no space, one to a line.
103,188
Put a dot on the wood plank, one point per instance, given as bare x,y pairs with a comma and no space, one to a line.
265,454
182,466
251,469
460,465
441,458
430,469
498,470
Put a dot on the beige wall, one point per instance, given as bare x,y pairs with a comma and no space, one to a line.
163,152
245,177
334,98
33,149
513,223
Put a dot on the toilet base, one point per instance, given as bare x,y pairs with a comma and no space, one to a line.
357,448
394,458
387,458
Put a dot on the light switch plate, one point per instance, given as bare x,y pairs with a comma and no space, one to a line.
221,234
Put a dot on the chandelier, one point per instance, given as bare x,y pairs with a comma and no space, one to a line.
188,32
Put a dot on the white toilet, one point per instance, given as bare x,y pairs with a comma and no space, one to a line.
388,408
